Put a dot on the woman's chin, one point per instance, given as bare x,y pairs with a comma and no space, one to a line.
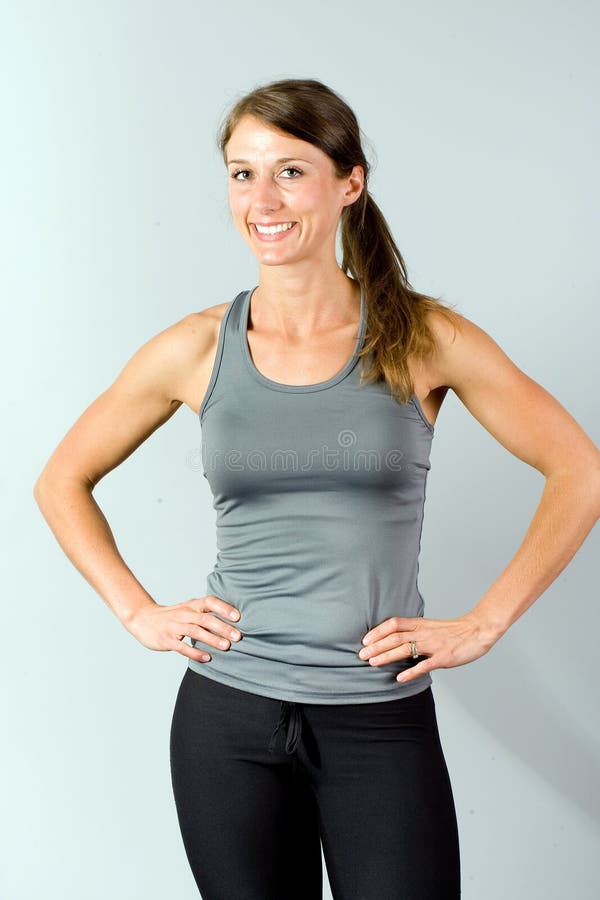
271,258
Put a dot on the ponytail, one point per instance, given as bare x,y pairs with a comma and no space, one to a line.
397,326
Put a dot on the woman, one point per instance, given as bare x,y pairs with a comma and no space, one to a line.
312,719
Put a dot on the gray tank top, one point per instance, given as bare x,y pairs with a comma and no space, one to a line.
319,492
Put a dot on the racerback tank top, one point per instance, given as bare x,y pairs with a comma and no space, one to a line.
319,492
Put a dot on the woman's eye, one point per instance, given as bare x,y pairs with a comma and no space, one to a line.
235,175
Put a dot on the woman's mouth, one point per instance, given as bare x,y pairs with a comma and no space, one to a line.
271,233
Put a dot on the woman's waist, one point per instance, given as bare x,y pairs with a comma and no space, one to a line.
327,612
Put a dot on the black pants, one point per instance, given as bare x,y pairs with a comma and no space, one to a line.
260,783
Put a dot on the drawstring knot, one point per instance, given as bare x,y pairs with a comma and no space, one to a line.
294,726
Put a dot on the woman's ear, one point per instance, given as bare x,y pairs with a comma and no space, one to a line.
356,182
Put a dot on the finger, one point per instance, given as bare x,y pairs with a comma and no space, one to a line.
190,652
427,665
213,624
378,657
410,623
393,625
216,604
377,648
380,631
221,639
396,640
200,624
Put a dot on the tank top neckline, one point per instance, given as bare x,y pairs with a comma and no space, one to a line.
297,388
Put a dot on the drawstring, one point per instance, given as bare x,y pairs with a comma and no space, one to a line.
294,729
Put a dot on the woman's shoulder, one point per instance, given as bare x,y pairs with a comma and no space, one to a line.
194,339
463,349
196,333
446,325
200,327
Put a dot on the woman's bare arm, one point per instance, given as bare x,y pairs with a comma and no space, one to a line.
143,397
532,425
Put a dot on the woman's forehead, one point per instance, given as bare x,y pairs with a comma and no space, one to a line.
252,136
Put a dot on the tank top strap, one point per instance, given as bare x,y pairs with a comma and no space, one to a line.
228,367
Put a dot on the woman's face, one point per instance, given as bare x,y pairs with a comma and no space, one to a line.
276,179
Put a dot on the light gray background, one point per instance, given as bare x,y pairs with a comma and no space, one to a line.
115,224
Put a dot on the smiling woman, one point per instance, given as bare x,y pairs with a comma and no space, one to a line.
318,469
284,212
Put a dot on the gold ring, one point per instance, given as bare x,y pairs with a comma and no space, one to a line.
413,650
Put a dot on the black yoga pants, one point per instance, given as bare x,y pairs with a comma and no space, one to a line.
260,784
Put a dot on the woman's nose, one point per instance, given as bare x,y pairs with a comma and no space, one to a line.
265,194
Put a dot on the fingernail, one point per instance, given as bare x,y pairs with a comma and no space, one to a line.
234,615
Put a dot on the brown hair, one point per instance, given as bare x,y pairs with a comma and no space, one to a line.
397,326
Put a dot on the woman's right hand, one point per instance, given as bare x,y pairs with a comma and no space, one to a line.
160,627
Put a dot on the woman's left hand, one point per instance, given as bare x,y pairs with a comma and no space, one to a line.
445,643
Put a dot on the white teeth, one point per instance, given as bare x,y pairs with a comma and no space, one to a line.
273,229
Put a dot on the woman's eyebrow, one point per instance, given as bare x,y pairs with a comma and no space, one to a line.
282,159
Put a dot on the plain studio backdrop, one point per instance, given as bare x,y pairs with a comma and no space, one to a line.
481,121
